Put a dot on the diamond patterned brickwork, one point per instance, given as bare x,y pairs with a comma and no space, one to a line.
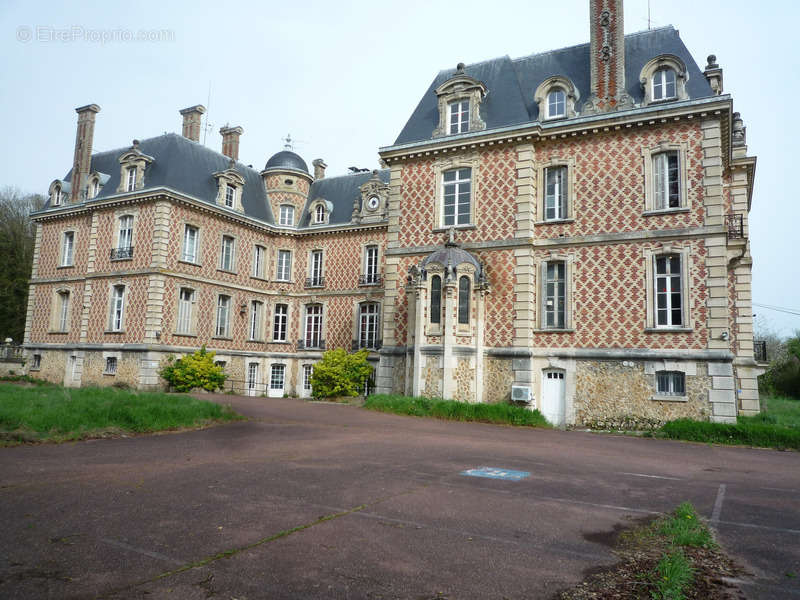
135,310
50,247
343,257
107,228
278,198
610,301
44,296
499,311
494,200
610,184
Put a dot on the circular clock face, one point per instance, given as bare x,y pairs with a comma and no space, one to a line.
372,202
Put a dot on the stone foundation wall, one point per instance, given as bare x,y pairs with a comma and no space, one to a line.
498,377
53,365
465,379
609,394
432,377
94,366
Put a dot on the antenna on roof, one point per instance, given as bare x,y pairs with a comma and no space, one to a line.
648,15
287,142
208,107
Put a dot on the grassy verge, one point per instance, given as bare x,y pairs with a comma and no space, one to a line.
456,411
54,413
670,558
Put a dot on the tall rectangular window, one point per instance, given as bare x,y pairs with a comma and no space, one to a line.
256,319
252,378
259,254
308,370
436,299
277,377
463,300
368,319
669,291
456,196
286,215
280,322
664,84
63,311
117,307
230,195
555,287
313,337
555,198
189,244
459,116
131,181
284,267
371,265
68,249
125,237
185,310
226,257
667,187
223,316
315,273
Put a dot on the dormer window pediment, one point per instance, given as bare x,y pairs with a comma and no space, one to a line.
557,97
59,192
133,164
663,79
459,100
320,211
230,187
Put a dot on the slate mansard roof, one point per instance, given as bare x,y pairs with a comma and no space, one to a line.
188,167
511,83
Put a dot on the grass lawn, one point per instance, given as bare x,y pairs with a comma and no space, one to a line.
54,413
456,411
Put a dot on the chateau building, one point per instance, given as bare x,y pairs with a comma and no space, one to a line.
568,229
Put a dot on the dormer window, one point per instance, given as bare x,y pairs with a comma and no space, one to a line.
319,214
94,188
230,195
57,196
556,104
133,169
230,187
664,84
458,116
130,182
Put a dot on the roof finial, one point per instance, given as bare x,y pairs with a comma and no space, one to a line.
287,142
460,68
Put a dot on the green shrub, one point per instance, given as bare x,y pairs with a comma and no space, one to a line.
746,431
193,371
340,374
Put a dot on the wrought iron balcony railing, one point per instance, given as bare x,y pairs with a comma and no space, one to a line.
369,344
735,224
315,282
760,350
369,279
311,345
122,253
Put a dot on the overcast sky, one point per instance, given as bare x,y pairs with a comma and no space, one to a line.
343,78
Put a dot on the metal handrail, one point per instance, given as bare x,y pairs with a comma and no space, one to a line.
735,226
760,350
315,282
122,253
370,279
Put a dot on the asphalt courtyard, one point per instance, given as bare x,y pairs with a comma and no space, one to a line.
310,500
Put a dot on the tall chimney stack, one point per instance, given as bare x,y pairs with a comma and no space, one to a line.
607,57
230,141
82,163
319,168
192,121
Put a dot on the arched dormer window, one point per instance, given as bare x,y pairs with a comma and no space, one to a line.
663,79
230,187
459,101
133,164
320,211
556,97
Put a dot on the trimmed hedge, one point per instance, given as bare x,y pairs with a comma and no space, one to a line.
742,433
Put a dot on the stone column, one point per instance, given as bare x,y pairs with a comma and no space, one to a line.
479,337
448,337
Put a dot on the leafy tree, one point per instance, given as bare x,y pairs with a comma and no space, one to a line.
340,374
193,371
783,374
17,235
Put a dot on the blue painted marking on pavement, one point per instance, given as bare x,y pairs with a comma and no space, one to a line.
495,473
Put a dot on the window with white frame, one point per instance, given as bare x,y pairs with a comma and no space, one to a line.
280,323
226,257
463,300
286,215
185,311
111,365
308,371
315,271
252,378
457,197
556,193
259,256
62,323
319,214
669,291
670,383
94,188
555,295
277,377
371,265
368,321
458,116
436,299
58,196
256,320
313,334
556,104
664,84
125,233
67,248
130,184
223,316
666,180
230,195
190,235
283,271
117,307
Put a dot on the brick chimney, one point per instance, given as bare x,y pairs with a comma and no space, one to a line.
319,168
607,57
82,163
230,141
192,122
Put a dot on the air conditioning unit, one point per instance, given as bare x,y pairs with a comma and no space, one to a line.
521,393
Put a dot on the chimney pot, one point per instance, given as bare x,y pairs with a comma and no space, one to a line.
84,137
319,168
713,74
230,141
192,118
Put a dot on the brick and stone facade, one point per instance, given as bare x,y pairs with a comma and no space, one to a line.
568,308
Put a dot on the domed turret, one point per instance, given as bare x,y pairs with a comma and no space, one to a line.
286,159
